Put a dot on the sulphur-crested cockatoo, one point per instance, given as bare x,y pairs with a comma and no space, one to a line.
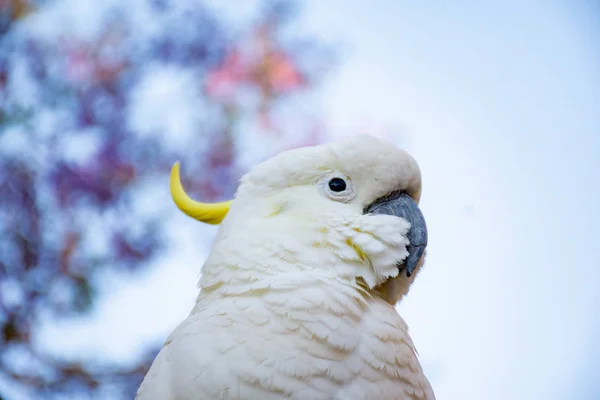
297,295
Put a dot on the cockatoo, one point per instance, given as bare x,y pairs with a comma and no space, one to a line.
297,297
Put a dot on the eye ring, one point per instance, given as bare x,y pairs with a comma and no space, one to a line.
338,187
337,184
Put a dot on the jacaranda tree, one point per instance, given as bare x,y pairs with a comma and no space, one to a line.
97,100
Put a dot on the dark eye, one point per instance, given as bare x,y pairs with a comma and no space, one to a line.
337,185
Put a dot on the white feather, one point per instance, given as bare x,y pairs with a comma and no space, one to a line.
289,306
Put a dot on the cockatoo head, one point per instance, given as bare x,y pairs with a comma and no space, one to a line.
346,209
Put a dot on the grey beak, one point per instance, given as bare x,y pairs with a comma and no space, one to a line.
402,205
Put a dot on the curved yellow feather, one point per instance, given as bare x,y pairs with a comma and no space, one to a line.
210,213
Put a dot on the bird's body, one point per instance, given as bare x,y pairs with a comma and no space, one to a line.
363,352
296,302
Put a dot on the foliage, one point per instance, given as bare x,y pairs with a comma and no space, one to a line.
91,119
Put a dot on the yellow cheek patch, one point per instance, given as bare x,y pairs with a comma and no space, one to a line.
357,249
278,208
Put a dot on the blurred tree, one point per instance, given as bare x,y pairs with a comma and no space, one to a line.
95,105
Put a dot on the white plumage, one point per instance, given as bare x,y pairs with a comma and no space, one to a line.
297,296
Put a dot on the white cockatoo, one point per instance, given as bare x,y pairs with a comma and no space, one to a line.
297,297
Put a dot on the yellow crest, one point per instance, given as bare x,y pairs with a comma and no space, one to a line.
210,213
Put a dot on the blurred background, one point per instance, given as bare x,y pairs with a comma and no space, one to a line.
498,101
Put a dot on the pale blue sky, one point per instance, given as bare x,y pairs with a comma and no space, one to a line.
500,104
